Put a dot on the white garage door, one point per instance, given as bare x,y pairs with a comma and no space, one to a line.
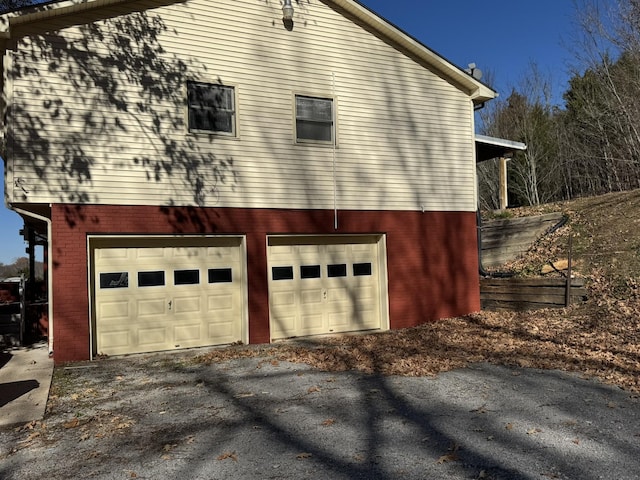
159,294
320,285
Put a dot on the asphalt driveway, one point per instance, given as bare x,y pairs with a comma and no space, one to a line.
162,416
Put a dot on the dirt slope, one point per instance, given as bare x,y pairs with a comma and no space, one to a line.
599,338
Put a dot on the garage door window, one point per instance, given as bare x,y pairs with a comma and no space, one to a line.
282,273
151,279
337,270
310,271
361,269
186,277
220,275
114,280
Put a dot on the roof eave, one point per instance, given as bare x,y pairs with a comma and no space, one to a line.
477,91
35,13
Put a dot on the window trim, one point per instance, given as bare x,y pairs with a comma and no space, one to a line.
196,131
334,120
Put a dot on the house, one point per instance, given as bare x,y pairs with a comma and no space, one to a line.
213,172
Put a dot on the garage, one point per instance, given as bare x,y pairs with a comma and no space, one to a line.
325,285
164,293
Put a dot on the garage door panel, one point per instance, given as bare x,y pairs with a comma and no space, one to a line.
151,306
340,321
113,253
182,252
312,297
190,304
339,295
221,330
222,253
219,303
147,253
312,324
364,295
114,310
282,324
152,336
283,299
323,285
183,333
119,339
168,293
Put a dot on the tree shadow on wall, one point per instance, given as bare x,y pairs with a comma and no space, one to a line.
100,109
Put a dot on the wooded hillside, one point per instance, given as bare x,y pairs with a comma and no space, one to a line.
590,145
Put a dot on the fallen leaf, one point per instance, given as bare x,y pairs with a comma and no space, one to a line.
449,457
301,456
232,455
533,431
30,437
313,389
244,395
329,421
73,423
481,409
509,426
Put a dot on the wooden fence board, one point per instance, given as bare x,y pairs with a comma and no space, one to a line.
528,293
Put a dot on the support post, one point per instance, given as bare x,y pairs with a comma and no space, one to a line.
504,200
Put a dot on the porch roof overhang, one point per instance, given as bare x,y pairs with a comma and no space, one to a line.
488,148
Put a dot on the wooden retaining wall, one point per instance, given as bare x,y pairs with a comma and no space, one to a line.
520,294
503,240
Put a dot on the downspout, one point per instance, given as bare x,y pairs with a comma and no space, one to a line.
20,211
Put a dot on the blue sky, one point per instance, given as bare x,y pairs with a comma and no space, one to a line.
502,36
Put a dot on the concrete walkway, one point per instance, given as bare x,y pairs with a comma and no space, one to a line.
25,378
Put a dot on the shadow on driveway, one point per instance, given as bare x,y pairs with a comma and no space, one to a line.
162,416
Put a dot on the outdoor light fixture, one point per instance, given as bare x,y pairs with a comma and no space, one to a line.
287,11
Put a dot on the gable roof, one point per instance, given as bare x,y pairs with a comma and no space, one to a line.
353,9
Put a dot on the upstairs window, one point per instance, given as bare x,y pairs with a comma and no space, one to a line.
314,120
211,108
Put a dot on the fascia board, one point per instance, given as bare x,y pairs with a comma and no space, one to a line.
476,90
44,11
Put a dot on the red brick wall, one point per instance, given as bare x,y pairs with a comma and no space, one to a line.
432,258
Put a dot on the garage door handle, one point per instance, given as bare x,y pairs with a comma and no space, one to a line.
169,304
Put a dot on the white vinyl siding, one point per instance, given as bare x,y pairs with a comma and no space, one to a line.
404,135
